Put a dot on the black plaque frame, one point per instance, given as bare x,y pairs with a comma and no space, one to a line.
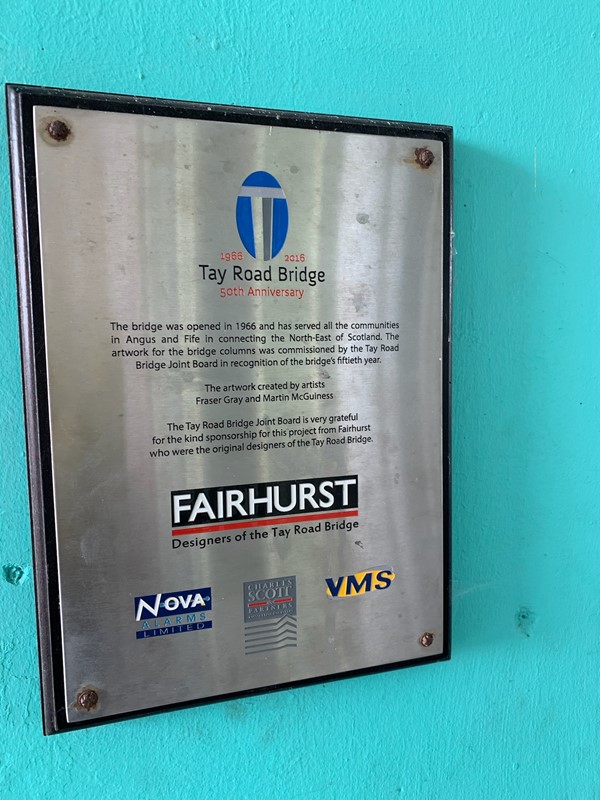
21,101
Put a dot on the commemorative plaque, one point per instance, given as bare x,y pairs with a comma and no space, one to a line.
235,336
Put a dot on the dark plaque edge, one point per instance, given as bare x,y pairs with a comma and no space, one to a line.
21,100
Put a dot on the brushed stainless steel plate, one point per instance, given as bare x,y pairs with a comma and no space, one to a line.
235,331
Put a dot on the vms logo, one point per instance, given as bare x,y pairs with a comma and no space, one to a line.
175,612
261,195
374,579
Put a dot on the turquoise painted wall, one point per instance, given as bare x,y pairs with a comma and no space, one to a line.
516,713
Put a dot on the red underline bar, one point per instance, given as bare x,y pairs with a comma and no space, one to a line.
260,523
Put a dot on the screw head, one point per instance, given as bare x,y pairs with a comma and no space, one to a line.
424,157
426,639
87,700
58,130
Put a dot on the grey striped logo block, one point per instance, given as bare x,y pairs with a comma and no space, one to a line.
270,614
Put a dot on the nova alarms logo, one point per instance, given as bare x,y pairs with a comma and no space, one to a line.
261,215
370,580
174,612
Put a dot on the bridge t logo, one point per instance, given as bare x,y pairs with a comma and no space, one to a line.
369,580
262,215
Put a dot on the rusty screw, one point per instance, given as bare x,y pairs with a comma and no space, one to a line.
424,157
87,700
426,640
58,130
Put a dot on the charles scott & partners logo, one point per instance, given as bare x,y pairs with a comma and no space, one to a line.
262,215
173,612
369,580
270,614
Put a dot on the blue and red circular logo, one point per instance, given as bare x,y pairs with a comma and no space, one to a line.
262,215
